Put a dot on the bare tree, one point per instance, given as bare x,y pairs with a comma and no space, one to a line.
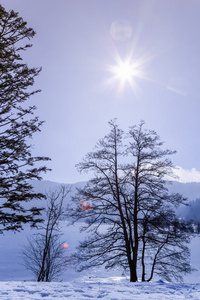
130,201
158,234
44,255
163,246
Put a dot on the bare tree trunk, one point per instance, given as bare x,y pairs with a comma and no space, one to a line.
143,250
42,270
135,216
133,270
143,264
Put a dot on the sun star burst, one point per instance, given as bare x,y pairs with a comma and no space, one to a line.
125,72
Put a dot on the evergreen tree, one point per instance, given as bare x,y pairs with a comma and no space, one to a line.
17,125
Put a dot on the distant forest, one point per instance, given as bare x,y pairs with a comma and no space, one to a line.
193,211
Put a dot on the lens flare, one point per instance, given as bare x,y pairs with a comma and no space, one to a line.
179,85
121,31
85,204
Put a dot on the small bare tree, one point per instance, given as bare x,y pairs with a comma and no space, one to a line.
44,255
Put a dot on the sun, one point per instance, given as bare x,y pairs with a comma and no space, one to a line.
124,73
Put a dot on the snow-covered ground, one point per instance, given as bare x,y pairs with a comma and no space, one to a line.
17,283
108,288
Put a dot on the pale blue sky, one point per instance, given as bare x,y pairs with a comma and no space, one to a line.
74,47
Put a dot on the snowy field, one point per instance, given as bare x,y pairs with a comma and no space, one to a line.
17,283
109,288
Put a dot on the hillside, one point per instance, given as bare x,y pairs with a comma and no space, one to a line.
190,190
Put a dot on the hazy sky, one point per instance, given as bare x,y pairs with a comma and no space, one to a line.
76,44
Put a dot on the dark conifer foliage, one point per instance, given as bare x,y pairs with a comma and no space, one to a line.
17,125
